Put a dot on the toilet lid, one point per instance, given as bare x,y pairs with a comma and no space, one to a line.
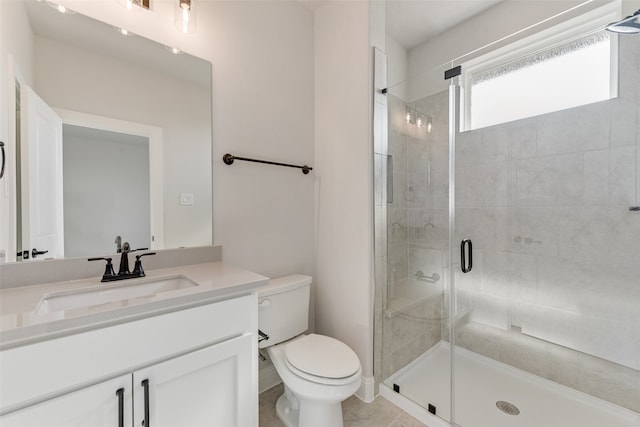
322,356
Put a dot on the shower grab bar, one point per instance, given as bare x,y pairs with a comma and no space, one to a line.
229,158
429,279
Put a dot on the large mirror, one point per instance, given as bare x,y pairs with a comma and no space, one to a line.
126,151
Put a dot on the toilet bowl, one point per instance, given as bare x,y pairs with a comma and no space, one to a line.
313,396
318,371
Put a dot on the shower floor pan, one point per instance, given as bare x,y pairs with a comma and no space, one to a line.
482,383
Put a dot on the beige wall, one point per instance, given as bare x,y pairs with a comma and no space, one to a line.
344,159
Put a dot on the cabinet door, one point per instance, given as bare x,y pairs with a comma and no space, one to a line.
211,387
106,404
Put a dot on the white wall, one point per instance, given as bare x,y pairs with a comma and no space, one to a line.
344,259
262,55
263,108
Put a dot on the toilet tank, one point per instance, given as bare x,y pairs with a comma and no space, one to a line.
283,308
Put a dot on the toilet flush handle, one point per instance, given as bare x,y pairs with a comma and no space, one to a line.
264,303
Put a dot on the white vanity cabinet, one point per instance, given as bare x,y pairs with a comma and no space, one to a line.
194,367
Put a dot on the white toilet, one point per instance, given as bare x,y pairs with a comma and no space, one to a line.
318,372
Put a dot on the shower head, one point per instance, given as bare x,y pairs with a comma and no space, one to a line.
628,25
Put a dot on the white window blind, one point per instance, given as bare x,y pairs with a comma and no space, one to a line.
573,74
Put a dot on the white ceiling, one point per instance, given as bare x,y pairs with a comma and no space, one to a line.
412,22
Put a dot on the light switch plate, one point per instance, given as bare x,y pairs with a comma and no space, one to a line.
186,199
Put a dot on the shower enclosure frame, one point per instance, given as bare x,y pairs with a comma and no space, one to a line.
453,248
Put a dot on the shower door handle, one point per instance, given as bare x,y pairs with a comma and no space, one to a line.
3,159
389,178
466,256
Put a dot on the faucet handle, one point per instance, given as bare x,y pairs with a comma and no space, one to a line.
109,274
137,268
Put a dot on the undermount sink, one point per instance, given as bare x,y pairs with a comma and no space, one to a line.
117,294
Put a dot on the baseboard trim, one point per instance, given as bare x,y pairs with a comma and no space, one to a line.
366,392
267,378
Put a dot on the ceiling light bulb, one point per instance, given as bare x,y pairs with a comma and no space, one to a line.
173,50
60,8
185,18
123,31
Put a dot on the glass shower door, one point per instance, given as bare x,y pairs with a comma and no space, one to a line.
415,355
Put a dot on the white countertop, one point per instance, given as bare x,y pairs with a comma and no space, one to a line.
20,325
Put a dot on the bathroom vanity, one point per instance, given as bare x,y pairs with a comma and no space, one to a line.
174,348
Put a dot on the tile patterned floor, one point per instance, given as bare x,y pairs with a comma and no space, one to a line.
379,413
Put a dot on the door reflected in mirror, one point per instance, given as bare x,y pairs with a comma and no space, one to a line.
101,201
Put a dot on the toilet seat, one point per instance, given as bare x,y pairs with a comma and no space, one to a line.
322,359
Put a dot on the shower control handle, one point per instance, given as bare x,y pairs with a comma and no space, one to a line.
466,256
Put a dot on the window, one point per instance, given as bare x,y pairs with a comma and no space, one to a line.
547,72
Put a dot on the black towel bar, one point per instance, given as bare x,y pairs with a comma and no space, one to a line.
229,158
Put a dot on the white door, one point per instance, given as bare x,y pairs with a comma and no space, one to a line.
206,388
107,404
42,203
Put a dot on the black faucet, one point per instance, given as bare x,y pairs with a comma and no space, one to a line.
123,271
124,260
